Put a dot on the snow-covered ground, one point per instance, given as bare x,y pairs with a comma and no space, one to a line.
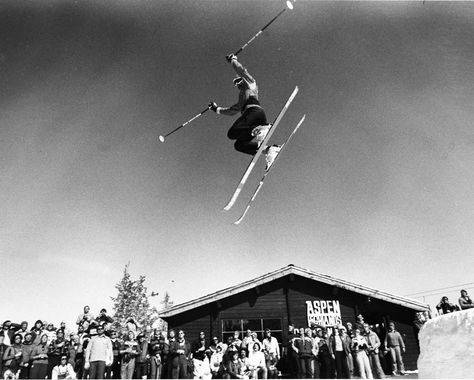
447,347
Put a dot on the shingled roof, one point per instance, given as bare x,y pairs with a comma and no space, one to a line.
298,271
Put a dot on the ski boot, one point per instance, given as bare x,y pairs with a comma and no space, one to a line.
271,153
260,132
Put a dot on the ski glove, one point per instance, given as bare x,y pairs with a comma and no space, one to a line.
230,57
213,106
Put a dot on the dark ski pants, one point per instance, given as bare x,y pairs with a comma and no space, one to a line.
342,369
179,367
141,369
241,130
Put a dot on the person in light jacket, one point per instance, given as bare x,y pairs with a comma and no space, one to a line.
395,344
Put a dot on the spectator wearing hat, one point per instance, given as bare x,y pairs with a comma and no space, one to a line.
63,370
141,361
27,350
128,352
39,356
179,351
98,354
257,364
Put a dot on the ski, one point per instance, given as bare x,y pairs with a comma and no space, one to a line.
268,171
259,151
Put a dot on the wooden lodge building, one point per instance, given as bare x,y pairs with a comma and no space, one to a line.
295,295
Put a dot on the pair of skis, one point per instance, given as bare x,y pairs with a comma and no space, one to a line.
257,156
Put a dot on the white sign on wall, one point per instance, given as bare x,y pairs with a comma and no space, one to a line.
325,313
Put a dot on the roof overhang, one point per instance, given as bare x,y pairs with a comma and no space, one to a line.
293,270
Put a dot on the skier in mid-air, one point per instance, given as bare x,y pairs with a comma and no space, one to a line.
250,129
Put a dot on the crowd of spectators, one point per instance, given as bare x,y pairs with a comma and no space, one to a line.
345,351
94,349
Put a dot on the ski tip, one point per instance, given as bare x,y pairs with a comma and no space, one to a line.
161,138
237,222
289,4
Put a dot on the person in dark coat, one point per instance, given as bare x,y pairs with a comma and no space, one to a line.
179,351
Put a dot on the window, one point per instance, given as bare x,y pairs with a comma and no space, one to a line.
257,325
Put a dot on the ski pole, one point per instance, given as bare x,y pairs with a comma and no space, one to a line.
289,5
162,138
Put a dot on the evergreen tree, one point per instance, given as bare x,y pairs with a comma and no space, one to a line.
132,302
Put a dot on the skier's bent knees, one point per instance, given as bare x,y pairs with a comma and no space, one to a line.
248,147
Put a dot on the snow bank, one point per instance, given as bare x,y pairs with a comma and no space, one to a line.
447,347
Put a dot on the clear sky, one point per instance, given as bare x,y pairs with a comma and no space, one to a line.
376,188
